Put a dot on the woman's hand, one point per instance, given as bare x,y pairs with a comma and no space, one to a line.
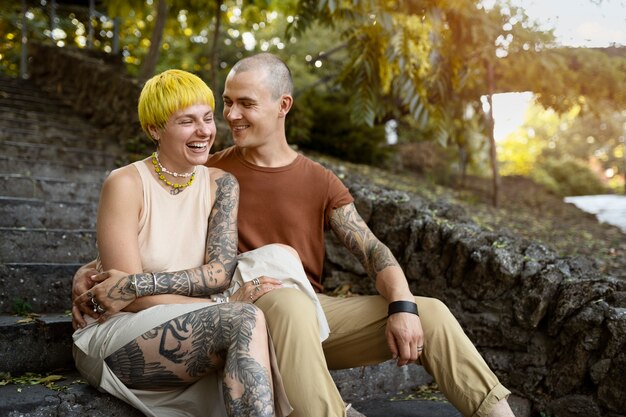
251,291
81,283
112,293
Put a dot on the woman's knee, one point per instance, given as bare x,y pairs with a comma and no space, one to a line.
252,313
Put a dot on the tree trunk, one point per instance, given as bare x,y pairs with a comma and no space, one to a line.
463,161
624,155
493,154
23,42
152,58
214,55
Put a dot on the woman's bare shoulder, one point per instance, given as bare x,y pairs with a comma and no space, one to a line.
126,176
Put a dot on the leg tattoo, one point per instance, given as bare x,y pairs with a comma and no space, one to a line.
183,350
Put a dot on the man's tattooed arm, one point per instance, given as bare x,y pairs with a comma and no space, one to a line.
354,233
221,253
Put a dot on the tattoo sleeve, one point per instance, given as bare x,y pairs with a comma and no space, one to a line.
354,233
221,253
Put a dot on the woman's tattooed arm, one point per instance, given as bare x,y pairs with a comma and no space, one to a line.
221,253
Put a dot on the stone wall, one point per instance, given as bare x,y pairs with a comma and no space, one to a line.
552,328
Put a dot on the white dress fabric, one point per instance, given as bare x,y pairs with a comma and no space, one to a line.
275,261
172,237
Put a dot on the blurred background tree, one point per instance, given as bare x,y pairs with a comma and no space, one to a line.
390,83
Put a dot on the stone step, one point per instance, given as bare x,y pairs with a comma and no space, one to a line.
46,245
22,112
36,287
57,136
37,152
24,94
42,344
71,393
37,213
18,89
51,169
15,185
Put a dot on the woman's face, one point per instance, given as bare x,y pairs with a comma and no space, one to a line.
187,137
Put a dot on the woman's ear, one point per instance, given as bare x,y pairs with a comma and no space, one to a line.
154,133
286,101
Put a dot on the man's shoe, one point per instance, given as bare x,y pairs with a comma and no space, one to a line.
351,412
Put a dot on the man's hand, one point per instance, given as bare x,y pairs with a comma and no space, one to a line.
405,337
81,283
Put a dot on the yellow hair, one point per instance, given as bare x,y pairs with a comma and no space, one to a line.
168,92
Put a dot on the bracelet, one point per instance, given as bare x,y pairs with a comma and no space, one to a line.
154,284
402,307
219,298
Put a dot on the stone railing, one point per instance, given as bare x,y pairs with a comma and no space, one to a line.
552,328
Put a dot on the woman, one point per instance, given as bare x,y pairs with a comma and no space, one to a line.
157,341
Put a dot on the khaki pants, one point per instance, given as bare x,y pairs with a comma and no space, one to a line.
357,338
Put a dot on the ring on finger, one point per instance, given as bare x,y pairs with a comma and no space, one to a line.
99,309
256,282
257,289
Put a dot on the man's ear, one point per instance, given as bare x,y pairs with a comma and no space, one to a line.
286,101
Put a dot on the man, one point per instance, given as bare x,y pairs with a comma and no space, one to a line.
287,198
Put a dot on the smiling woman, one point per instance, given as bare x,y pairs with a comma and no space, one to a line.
150,329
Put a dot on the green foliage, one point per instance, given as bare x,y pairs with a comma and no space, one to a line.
21,307
564,78
332,133
423,64
568,177
576,135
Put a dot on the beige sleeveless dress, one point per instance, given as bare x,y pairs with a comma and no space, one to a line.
172,236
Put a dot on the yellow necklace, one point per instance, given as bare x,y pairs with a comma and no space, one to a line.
175,188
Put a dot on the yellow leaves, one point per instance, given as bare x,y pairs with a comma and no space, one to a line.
518,154
31,378
426,392
29,318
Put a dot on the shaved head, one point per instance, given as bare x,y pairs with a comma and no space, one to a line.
276,74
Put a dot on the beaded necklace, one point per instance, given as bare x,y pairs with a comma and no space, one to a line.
160,169
176,174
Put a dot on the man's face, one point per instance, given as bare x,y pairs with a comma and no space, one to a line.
251,112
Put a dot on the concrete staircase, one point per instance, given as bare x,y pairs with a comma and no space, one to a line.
52,164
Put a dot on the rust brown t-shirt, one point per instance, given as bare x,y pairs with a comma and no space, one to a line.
290,205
